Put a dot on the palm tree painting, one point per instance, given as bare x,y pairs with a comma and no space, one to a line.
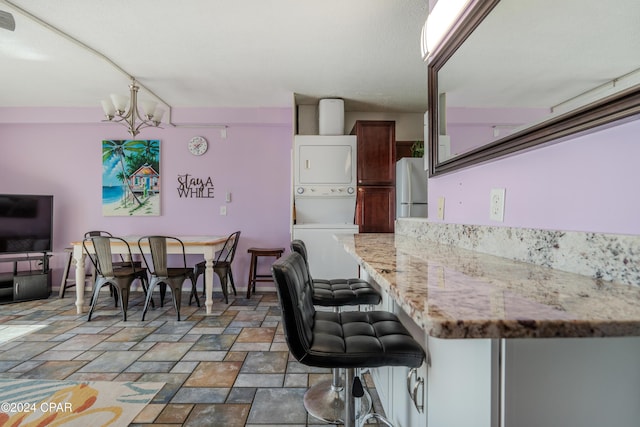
130,177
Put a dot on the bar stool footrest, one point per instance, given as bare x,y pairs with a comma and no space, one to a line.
325,403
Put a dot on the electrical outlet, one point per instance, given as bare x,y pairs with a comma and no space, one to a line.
440,207
223,210
496,208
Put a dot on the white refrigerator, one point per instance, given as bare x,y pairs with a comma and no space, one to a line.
411,188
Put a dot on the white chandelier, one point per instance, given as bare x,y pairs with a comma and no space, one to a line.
115,110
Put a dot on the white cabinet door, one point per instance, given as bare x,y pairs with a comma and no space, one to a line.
461,388
382,381
405,411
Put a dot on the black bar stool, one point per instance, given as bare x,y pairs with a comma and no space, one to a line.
349,340
325,400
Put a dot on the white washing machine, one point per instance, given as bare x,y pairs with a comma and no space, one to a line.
325,201
327,258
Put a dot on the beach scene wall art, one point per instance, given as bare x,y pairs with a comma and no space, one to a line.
131,177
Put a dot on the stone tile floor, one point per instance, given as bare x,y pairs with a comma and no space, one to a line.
230,368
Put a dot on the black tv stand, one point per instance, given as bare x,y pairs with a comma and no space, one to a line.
22,284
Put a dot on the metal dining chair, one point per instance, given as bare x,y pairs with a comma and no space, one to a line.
118,279
221,266
163,275
123,263
68,282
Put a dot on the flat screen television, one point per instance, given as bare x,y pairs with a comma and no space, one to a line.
26,223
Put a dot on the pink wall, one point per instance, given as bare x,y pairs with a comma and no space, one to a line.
253,163
588,183
470,128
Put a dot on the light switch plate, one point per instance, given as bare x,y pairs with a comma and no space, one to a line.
441,208
496,209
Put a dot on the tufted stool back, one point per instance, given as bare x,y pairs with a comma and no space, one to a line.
298,246
296,297
337,292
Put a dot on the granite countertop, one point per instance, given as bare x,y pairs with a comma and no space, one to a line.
457,293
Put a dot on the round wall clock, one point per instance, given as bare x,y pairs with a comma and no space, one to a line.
197,146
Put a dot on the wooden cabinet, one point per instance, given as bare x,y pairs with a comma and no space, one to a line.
375,209
375,206
403,149
376,152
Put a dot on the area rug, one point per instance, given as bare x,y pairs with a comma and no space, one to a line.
10,332
40,403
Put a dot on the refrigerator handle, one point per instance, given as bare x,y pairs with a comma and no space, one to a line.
410,201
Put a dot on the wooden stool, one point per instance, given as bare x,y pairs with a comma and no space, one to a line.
253,266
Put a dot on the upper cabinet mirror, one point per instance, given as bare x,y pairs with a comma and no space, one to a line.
514,74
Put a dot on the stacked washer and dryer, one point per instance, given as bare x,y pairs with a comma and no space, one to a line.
325,192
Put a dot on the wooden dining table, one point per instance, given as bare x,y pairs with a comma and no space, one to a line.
193,245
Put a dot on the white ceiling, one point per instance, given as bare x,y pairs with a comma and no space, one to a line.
215,53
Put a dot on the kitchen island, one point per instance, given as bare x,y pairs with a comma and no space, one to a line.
509,343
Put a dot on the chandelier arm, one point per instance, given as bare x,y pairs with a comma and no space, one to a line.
141,126
121,121
118,119
125,116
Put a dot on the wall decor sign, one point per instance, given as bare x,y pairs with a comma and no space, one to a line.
131,177
192,187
